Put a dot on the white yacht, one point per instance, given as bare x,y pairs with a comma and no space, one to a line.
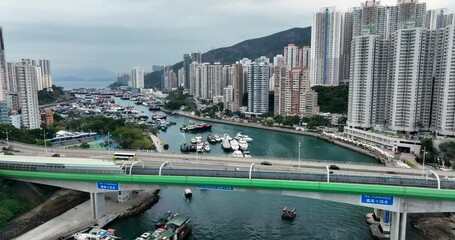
234,144
227,137
243,144
244,136
237,154
246,154
198,139
206,147
199,147
225,144
217,138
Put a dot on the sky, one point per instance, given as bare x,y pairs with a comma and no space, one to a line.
117,35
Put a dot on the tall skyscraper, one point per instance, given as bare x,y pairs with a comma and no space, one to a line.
181,77
258,85
123,78
238,86
293,94
443,107
137,77
346,38
26,75
291,56
304,57
11,78
196,57
325,47
45,73
186,68
3,73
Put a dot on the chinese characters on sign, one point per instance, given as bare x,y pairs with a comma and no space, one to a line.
380,200
216,188
108,186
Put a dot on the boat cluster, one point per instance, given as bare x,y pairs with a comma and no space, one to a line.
169,226
96,234
238,144
196,145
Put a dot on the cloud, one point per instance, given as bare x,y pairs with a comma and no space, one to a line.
119,34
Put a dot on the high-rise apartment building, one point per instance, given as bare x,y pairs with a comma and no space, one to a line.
123,78
3,73
181,77
11,77
443,107
238,86
27,75
304,57
293,94
186,68
345,55
291,56
46,76
258,85
326,36
137,77
228,95
196,57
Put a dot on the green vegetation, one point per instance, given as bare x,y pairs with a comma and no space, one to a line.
409,163
56,95
10,205
448,150
84,145
127,135
431,152
332,99
176,99
166,146
315,121
34,136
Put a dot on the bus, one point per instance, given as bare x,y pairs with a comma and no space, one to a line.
124,156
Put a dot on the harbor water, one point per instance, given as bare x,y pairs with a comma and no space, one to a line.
218,214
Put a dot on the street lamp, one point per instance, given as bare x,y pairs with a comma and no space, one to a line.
44,138
299,154
109,141
423,163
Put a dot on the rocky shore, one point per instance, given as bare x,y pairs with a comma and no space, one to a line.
143,206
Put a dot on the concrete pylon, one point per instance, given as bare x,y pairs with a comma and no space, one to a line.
395,228
98,203
403,219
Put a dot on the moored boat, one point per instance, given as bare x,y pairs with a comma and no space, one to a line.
234,145
245,137
237,154
187,193
97,234
288,214
226,145
206,147
200,127
163,219
243,145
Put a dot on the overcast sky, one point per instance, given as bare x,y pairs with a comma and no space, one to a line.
119,34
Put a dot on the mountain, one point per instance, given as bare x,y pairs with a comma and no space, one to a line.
268,46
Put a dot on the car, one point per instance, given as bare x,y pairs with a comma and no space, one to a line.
265,163
55,155
334,167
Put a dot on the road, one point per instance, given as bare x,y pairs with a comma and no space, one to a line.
186,161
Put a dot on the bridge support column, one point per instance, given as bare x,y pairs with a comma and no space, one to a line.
395,230
98,203
403,218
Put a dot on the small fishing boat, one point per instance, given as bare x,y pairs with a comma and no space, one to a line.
288,214
187,193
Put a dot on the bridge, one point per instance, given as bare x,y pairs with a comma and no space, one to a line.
389,193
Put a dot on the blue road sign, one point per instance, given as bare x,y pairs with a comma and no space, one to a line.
216,188
387,216
108,186
380,200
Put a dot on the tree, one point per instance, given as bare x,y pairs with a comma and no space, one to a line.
448,150
166,146
269,121
85,145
